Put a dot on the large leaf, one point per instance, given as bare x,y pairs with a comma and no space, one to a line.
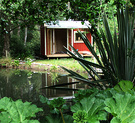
93,107
124,85
85,93
17,111
122,107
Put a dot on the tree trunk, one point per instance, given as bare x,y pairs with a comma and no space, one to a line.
25,38
6,48
18,32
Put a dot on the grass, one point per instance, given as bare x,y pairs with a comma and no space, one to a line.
54,64
69,63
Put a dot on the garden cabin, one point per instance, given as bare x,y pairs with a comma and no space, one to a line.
63,33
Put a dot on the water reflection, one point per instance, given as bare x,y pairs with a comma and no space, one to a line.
26,85
20,84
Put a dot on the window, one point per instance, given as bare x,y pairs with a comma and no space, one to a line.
77,38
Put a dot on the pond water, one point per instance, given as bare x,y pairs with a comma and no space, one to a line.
26,85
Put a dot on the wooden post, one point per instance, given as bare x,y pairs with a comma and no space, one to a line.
53,41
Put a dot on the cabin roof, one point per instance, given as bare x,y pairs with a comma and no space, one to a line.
67,24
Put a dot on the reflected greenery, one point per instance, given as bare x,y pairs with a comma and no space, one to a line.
28,85
20,84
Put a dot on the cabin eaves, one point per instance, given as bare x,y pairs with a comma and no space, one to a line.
67,25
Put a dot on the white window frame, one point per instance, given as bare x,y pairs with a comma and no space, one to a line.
75,41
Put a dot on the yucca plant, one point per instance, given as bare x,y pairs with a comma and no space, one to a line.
116,60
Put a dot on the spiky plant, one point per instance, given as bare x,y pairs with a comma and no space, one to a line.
117,60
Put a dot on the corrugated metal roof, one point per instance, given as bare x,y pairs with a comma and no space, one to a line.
67,24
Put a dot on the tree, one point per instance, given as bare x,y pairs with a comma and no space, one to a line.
92,10
24,13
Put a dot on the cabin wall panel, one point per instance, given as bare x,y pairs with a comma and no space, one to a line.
82,46
69,39
48,42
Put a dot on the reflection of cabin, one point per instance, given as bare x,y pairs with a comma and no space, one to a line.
48,80
64,33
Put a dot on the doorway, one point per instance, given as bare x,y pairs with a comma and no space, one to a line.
60,41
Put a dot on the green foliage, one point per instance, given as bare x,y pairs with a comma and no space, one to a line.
117,102
27,13
18,50
93,107
28,62
44,99
57,119
80,116
17,111
16,63
114,61
32,47
122,107
54,77
92,11
53,68
85,93
69,63
6,61
55,104
125,86
34,43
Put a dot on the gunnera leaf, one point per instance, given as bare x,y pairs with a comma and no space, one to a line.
94,107
44,99
17,111
57,103
85,93
124,86
122,107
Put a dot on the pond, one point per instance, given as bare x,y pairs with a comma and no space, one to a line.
27,85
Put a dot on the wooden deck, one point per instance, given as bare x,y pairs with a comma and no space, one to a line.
58,55
63,56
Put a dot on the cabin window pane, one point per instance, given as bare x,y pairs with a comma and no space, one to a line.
77,38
